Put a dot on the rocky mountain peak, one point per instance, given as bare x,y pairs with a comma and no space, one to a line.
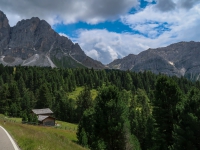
3,21
123,64
4,31
180,59
33,42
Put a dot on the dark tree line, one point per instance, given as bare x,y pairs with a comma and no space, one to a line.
132,110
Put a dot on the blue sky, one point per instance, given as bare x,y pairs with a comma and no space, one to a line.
110,29
110,25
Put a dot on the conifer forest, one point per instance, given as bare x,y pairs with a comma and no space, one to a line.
132,111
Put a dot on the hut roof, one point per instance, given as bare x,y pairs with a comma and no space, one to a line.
41,117
42,111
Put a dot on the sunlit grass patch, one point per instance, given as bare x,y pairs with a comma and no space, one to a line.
73,95
30,137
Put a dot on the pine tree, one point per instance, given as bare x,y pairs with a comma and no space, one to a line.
111,128
84,101
128,83
167,98
85,132
140,118
187,133
44,97
4,99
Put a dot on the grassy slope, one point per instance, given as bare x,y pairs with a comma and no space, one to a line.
75,93
66,125
30,137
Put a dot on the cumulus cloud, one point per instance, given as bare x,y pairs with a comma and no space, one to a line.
170,5
149,1
63,34
107,46
165,5
158,25
174,20
176,26
66,11
187,4
93,53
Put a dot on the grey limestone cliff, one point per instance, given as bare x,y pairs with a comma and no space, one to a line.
34,42
180,59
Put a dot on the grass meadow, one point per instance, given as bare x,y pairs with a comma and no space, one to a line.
30,137
73,95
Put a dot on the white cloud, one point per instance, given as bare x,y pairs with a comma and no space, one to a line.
66,11
149,1
93,53
183,25
165,5
186,4
148,29
110,45
179,17
63,34
178,22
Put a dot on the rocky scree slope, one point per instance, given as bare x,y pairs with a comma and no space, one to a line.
33,42
180,59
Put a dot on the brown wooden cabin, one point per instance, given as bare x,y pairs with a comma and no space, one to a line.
44,116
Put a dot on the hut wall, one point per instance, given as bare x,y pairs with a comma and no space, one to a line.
49,122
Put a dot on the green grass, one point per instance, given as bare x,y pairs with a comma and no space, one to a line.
66,125
30,137
94,93
19,120
73,95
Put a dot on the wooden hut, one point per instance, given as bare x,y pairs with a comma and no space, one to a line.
44,116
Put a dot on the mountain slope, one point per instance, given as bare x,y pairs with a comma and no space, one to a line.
34,42
180,59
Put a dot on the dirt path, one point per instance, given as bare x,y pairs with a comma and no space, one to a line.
6,141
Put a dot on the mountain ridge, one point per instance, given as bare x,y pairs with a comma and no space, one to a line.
33,42
180,59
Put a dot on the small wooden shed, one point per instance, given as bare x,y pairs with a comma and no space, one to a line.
46,120
44,116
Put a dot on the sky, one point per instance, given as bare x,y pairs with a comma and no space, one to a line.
110,29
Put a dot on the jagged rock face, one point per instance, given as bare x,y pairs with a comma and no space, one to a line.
4,31
180,59
35,37
124,64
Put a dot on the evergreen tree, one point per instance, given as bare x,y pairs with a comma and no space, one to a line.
85,132
128,81
4,99
67,106
141,119
26,102
44,97
166,113
1,81
24,117
111,128
187,133
84,101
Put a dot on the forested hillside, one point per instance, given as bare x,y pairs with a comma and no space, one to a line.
131,111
